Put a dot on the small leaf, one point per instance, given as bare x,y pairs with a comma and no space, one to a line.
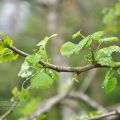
109,84
67,49
8,55
25,70
83,43
77,34
104,56
41,117
109,39
33,58
45,40
118,71
6,40
97,35
54,75
15,91
31,106
42,54
24,94
41,80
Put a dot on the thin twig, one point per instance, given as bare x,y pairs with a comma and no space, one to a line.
12,107
106,115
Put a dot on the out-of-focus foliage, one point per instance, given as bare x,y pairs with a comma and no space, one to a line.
83,15
111,18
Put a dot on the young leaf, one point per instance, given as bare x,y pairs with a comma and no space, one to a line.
109,39
97,35
45,40
77,34
8,55
109,84
24,94
41,80
104,56
67,49
33,59
83,43
54,75
31,106
25,70
6,40
15,92
42,54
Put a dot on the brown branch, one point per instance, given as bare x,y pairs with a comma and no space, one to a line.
59,68
10,110
106,115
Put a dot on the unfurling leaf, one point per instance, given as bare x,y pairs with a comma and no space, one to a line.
77,34
83,44
45,40
67,49
25,70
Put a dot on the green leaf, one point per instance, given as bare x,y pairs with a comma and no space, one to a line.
77,34
6,40
42,54
31,106
104,56
109,39
109,17
97,35
118,71
109,84
8,55
83,43
24,94
25,70
33,58
15,92
45,40
67,49
41,117
54,75
41,80
117,9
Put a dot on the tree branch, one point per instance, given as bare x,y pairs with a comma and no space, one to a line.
59,68
10,110
106,115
